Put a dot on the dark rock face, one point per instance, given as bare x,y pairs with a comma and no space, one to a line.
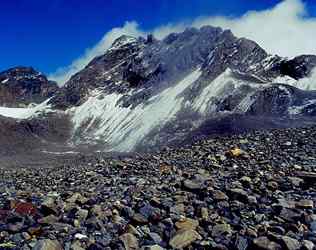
21,86
299,67
92,76
277,100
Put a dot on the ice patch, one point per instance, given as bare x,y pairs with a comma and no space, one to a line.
295,110
284,80
246,103
307,83
124,40
218,88
5,80
25,113
102,118
59,153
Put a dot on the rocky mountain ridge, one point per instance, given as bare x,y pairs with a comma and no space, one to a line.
133,63
193,76
21,86
144,93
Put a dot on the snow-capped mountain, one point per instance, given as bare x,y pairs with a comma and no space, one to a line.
143,93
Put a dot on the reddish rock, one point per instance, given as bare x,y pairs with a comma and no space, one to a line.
24,208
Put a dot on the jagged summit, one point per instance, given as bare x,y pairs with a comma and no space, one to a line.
123,40
20,71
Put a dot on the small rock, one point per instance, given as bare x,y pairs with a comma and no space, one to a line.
193,185
238,194
26,236
204,213
153,247
130,241
77,197
236,152
263,243
307,204
140,219
80,236
219,195
307,245
290,243
296,181
82,214
187,223
272,185
76,245
246,181
49,207
47,244
50,219
23,208
184,238
221,229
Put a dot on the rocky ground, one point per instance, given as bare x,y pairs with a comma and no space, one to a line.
252,191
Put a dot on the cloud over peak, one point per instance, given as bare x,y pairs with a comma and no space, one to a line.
286,30
64,73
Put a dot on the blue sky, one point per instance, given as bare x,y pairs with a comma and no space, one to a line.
51,34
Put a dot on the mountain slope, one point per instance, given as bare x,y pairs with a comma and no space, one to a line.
144,93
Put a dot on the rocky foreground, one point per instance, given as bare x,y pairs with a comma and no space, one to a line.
254,191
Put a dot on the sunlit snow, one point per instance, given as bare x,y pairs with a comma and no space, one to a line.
223,85
102,119
5,80
122,127
307,83
25,113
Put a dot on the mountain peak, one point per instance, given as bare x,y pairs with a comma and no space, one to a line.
21,71
123,41
24,85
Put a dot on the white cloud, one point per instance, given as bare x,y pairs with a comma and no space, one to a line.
286,30
64,73
308,83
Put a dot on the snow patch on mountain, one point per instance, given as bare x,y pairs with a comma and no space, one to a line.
122,41
225,84
307,83
102,118
26,113
5,80
246,103
285,80
296,110
215,89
